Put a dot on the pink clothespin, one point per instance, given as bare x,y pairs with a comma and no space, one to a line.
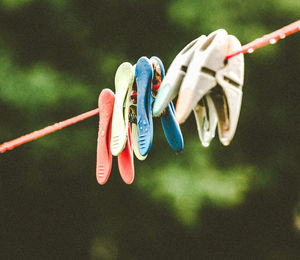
104,155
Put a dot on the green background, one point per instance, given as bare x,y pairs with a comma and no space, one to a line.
236,202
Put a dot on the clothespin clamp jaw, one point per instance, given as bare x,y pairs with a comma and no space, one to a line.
209,73
125,161
124,79
171,83
206,119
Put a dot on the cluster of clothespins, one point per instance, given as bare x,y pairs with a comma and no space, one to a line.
207,75
205,82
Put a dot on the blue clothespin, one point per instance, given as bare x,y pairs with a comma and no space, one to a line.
144,75
168,119
147,73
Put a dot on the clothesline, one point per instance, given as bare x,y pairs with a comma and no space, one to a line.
47,130
271,38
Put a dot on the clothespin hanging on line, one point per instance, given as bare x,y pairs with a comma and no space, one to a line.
208,84
210,73
117,111
149,74
104,155
168,118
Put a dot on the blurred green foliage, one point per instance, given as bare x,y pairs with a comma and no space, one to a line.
187,181
236,202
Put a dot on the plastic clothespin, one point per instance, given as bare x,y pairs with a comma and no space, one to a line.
210,73
175,74
144,75
168,119
149,73
121,145
123,83
104,155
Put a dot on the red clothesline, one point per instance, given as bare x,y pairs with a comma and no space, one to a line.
47,130
248,48
270,38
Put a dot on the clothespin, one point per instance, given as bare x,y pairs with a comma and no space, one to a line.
123,84
104,157
168,119
107,107
149,75
171,83
121,143
204,112
144,76
209,73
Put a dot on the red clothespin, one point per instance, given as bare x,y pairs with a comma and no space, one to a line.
104,155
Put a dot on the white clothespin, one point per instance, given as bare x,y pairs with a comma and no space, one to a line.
171,83
209,73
